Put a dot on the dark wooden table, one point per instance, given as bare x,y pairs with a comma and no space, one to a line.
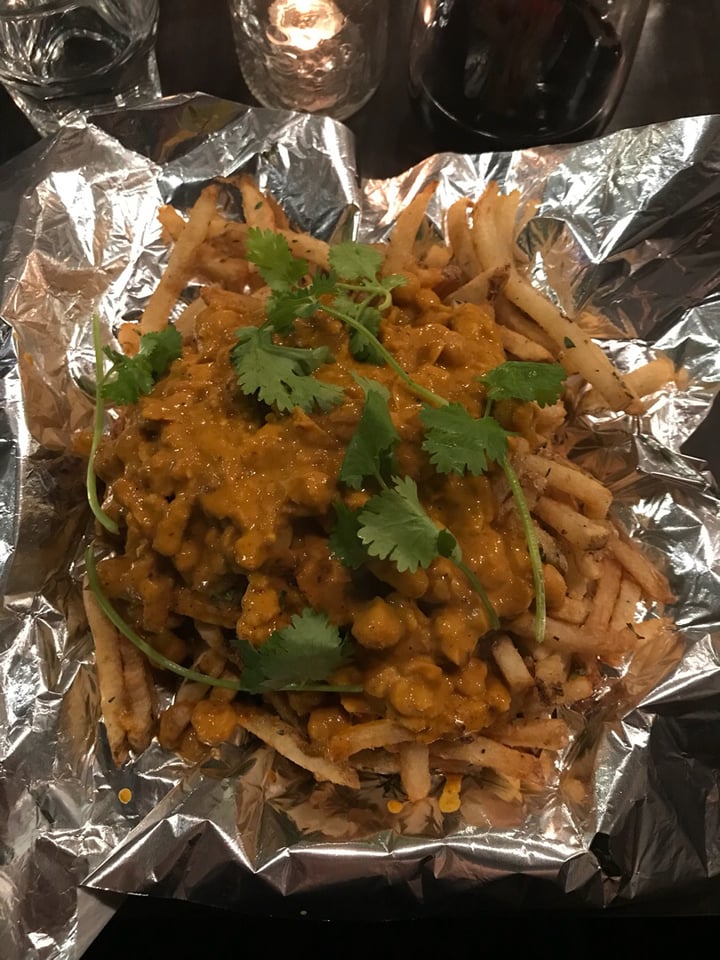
676,74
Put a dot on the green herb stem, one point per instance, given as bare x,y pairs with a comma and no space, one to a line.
533,548
411,384
162,661
98,426
480,590
376,289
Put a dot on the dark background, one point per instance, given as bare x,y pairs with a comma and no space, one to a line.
676,73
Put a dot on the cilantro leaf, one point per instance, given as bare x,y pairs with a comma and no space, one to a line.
355,261
361,346
306,652
161,348
323,283
130,377
368,384
457,441
285,306
270,252
394,526
370,452
344,540
526,381
280,376
127,380
447,546
363,317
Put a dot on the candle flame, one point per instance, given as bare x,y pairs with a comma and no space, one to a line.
306,23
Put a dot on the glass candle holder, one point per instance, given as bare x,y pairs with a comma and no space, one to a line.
499,74
318,56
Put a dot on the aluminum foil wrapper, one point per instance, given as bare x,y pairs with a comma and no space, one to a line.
626,226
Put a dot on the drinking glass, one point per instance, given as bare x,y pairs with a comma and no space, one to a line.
320,56
62,56
498,74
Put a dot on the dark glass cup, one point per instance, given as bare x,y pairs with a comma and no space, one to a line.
500,74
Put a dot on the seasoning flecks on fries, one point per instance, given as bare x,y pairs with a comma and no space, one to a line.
342,515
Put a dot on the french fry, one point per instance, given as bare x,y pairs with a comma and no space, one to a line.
574,610
399,255
505,212
551,669
366,736
258,212
484,752
550,734
510,316
172,223
493,248
567,638
511,664
458,231
126,691
177,271
518,345
581,532
287,742
625,609
633,560
605,595
564,478
309,248
415,770
644,380
377,761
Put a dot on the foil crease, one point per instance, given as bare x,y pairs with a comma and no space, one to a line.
627,227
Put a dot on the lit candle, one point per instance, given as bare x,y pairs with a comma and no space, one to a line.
313,55
305,24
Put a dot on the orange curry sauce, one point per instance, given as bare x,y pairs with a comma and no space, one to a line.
226,508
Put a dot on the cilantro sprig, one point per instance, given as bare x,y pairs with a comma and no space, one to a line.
279,375
304,653
395,526
525,380
130,377
298,657
351,291
457,442
371,451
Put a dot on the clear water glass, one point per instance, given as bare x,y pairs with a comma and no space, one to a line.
58,58
318,56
